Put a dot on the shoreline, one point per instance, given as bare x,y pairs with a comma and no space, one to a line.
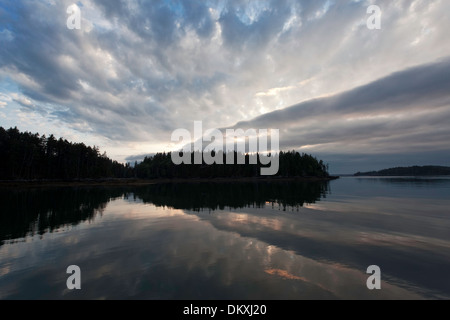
142,182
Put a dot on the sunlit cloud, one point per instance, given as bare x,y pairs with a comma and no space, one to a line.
136,71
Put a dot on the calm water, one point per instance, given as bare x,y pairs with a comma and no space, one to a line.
229,241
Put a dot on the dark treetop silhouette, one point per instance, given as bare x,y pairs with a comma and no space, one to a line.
27,156
30,156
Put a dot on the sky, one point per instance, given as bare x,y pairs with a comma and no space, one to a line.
359,98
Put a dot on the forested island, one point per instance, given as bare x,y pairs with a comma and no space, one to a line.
291,164
409,171
30,156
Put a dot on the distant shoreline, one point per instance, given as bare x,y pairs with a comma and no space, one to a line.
415,171
143,182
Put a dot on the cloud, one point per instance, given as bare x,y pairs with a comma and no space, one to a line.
400,108
22,100
138,70
402,114
274,91
139,157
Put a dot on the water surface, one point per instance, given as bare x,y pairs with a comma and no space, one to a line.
229,241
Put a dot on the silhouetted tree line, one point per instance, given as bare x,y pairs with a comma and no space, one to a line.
25,155
28,156
291,164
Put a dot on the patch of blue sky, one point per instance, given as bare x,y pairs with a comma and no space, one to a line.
9,14
11,9
328,4
10,114
174,6
252,11
323,11
8,85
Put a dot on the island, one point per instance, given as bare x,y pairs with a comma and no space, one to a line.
409,171
32,158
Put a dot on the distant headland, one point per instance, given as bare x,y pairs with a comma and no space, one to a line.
409,171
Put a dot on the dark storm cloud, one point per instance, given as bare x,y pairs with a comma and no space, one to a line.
415,101
423,86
